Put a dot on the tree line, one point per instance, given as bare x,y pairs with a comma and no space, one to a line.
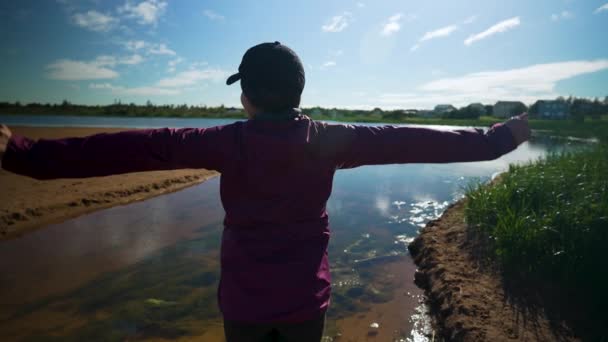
577,108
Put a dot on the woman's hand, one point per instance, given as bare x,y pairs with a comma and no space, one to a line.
519,128
5,136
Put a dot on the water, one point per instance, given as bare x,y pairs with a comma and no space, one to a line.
149,270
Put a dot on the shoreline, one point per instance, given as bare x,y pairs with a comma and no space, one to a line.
27,204
466,295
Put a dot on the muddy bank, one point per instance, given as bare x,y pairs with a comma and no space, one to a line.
466,296
27,204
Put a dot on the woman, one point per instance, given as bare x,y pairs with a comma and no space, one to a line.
276,170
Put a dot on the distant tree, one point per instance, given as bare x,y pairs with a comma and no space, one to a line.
578,109
569,100
489,110
596,109
533,110
468,112
520,108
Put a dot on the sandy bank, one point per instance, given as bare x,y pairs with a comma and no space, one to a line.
468,300
27,204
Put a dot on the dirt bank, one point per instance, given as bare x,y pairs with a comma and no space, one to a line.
467,298
27,204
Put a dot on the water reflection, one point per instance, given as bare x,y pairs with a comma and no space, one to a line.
149,270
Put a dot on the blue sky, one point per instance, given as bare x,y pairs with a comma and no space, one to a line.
357,54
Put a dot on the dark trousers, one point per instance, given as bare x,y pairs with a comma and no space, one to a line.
308,331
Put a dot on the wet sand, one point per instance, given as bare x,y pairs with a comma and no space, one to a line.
467,298
27,204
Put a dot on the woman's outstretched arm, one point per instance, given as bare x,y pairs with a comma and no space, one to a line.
106,154
354,146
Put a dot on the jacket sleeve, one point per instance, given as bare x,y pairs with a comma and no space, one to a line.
129,151
351,146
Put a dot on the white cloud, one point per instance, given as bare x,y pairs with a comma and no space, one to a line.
470,20
101,86
183,81
95,21
173,63
141,91
190,77
99,68
328,64
161,49
393,25
111,61
105,60
213,15
415,47
336,53
150,48
561,16
132,60
200,64
135,45
147,12
500,27
70,70
602,8
524,84
535,78
360,4
338,23
442,32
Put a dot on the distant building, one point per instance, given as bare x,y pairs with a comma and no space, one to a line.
552,109
505,109
444,108
233,110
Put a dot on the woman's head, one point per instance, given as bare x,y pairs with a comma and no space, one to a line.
272,78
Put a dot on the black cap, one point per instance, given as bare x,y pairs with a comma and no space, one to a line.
272,67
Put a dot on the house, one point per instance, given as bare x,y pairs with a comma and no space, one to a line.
505,109
444,108
552,109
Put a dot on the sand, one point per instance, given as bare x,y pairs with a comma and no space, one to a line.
467,298
27,204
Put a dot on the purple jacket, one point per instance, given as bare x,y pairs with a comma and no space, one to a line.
276,177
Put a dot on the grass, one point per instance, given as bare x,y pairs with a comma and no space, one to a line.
547,223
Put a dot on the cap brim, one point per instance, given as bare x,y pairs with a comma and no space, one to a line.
233,78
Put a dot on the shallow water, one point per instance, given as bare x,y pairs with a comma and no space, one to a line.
149,270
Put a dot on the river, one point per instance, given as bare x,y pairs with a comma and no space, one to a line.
149,270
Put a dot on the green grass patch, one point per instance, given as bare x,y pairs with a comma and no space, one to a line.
547,223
